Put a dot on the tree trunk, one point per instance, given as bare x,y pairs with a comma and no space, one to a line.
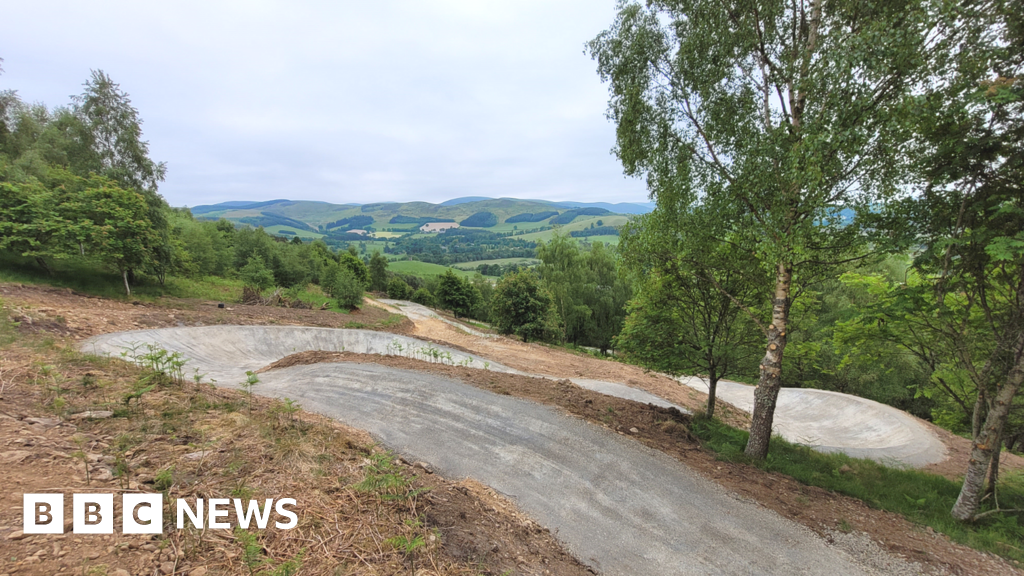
712,387
42,264
993,469
984,443
124,276
767,391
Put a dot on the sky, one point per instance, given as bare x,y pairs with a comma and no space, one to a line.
341,101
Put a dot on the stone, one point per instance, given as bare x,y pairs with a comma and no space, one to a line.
120,572
92,415
16,535
44,422
167,568
425,467
14,456
634,431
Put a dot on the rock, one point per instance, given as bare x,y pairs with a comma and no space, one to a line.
92,555
425,467
167,568
149,547
120,572
44,422
92,415
201,571
16,535
14,456
196,455
634,431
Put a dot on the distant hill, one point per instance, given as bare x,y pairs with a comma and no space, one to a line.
401,217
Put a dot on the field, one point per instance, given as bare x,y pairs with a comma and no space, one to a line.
503,261
423,269
605,239
304,234
578,224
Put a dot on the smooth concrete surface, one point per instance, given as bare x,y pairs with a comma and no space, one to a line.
225,353
416,311
617,505
825,421
835,422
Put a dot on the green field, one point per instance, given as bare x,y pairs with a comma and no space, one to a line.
423,269
606,239
518,226
503,261
276,230
578,224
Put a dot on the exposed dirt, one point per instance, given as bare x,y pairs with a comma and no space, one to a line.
63,312
196,441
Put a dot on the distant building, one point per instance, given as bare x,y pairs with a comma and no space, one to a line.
438,226
361,232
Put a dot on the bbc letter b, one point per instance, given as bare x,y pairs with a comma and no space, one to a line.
43,514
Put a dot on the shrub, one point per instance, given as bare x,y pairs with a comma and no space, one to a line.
255,275
398,289
342,285
424,297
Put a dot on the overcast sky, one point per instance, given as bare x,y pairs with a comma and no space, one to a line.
341,101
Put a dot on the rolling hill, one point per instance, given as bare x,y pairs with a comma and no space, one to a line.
318,215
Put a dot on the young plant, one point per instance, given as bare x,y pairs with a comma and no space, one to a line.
251,379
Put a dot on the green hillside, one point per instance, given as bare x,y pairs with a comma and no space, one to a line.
316,214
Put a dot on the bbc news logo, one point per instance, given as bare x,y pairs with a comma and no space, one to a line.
144,513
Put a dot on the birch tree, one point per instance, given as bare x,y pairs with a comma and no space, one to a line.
775,116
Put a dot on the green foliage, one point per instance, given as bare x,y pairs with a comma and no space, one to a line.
480,220
342,285
378,270
256,275
424,297
398,289
522,307
456,294
588,293
922,497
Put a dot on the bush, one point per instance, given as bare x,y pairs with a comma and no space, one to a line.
256,276
342,285
398,289
424,297
520,306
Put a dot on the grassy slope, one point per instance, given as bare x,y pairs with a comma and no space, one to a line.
423,269
85,277
921,497
577,224
316,213
503,261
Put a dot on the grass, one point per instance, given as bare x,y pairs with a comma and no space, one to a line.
921,497
86,277
503,261
580,223
304,234
423,269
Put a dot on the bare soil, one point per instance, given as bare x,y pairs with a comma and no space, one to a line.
63,312
197,441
